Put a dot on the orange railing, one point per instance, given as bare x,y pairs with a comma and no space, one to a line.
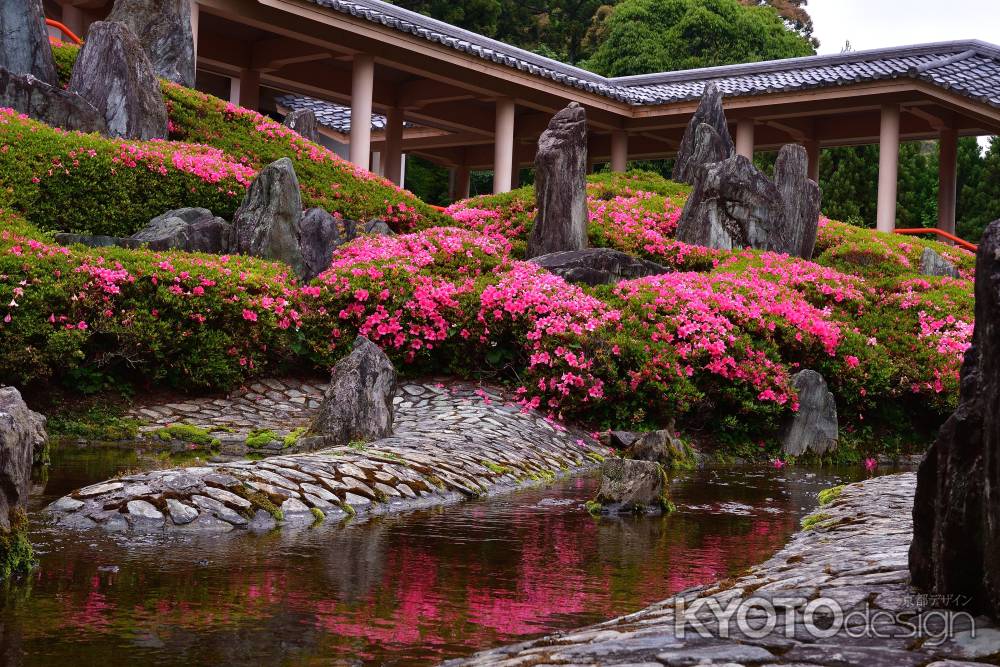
961,243
67,33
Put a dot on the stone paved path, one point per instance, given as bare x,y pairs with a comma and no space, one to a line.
448,443
855,557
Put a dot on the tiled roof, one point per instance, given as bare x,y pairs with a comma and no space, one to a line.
337,117
969,68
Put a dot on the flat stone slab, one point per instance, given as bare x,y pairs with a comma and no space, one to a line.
450,442
854,560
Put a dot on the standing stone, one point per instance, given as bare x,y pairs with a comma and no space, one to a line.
187,229
164,30
267,222
304,122
114,74
699,147
319,236
933,264
814,428
629,486
22,431
358,401
956,512
663,447
24,40
49,104
561,184
733,205
802,200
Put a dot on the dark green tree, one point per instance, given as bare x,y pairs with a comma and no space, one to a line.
643,36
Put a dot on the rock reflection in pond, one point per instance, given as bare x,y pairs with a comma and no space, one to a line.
414,588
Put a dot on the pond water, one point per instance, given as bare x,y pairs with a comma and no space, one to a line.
409,589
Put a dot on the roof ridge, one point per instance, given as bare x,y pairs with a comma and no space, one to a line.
941,62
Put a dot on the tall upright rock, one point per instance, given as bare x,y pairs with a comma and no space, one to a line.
700,148
268,222
561,184
956,512
22,431
164,30
304,122
802,200
50,104
24,41
114,74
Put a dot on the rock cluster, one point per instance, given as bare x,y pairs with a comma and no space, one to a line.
561,184
956,513
706,140
24,41
50,104
304,122
631,486
164,30
357,406
597,266
114,74
814,428
733,204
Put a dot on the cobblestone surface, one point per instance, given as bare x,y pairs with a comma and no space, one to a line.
449,442
855,555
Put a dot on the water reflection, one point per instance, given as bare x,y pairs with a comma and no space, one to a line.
410,589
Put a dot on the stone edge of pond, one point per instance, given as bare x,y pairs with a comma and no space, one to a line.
446,447
854,552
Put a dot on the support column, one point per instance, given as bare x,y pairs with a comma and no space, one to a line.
234,90
812,150
394,146
72,18
249,89
744,138
947,179
195,20
503,146
362,89
888,168
619,151
463,181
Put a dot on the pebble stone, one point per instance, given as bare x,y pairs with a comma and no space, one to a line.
450,441
857,556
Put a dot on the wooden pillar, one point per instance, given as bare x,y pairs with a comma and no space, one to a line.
812,150
619,151
745,138
947,179
362,89
195,20
463,182
888,168
503,146
249,89
394,146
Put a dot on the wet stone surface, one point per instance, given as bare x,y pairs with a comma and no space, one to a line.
449,443
854,555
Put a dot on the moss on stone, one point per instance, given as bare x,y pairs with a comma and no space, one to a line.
187,433
815,520
347,507
593,507
261,437
827,496
318,514
293,437
495,467
259,500
595,457
16,554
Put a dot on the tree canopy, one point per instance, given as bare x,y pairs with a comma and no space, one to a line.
643,36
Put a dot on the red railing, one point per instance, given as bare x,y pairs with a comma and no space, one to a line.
961,243
67,33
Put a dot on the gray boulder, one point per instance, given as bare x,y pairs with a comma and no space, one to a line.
378,227
114,74
700,147
304,122
802,200
956,512
662,447
187,229
814,429
622,439
319,236
629,486
933,264
561,184
734,205
358,402
267,222
164,30
598,266
22,431
49,104
24,40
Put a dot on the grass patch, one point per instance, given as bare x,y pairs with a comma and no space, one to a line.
815,520
95,423
260,437
186,433
827,496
